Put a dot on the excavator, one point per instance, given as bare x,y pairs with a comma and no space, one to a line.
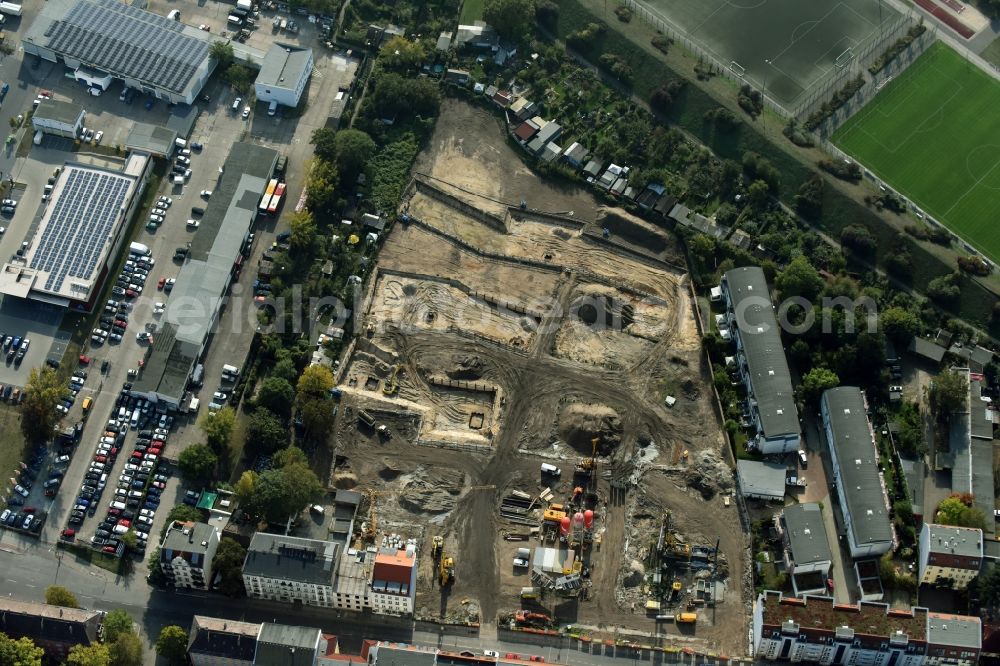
527,618
446,570
391,385
587,466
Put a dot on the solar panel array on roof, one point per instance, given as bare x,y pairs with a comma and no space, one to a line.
128,41
79,225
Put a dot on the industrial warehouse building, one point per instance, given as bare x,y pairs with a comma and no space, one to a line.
101,40
283,75
58,118
761,360
204,279
79,235
859,485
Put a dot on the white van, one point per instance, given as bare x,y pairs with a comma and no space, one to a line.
179,180
551,470
122,411
118,505
174,15
231,370
180,143
134,421
235,20
38,137
272,108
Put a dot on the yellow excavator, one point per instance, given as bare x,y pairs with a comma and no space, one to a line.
391,385
446,570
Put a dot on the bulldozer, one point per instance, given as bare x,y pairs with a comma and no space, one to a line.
446,570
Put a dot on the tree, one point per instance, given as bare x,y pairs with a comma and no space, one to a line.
292,455
988,584
285,369
809,199
353,150
240,78
277,396
57,595
38,412
116,623
96,654
245,487
20,652
899,325
324,141
218,428
228,563
954,511
279,493
129,539
172,644
302,230
394,95
126,651
316,416
265,431
859,239
402,54
799,279
197,463
315,381
944,290
547,14
511,18
815,382
948,393
322,198
222,53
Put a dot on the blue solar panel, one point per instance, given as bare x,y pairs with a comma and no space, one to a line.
82,219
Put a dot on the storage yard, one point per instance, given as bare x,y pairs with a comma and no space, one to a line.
506,405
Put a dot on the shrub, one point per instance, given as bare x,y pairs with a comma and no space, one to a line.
849,171
623,13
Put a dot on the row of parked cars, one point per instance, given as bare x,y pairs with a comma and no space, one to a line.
16,514
14,347
73,390
138,488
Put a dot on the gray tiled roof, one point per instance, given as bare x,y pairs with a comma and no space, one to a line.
761,478
807,534
287,645
59,111
126,41
291,558
761,340
858,465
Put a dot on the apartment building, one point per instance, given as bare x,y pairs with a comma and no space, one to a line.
55,629
949,556
818,630
807,550
283,568
761,360
187,552
394,581
860,488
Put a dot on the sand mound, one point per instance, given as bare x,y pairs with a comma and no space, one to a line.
468,368
344,480
579,424
433,493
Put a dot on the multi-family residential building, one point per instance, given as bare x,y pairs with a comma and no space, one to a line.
761,361
214,641
860,487
187,552
394,581
949,556
818,630
807,550
55,629
283,568
218,642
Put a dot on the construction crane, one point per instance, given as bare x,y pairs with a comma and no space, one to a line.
668,544
589,465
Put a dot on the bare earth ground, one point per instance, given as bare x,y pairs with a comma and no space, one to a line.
496,342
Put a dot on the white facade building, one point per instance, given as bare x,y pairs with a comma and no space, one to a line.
187,552
283,75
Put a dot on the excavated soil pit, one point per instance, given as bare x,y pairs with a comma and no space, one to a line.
579,424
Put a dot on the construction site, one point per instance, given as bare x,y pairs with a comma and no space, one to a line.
528,399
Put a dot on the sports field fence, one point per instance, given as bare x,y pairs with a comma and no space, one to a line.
856,59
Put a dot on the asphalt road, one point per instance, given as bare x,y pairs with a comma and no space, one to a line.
28,568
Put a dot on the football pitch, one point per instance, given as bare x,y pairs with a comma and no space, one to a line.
933,134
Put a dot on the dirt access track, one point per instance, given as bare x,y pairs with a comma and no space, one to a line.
503,328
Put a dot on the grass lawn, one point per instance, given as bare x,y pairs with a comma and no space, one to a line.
472,10
932,133
11,440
